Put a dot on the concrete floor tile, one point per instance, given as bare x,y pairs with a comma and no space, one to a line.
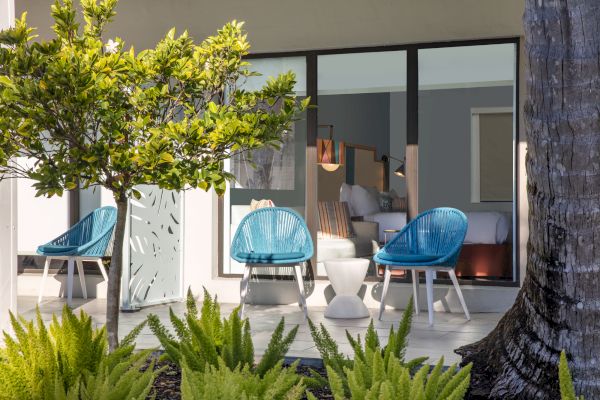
449,331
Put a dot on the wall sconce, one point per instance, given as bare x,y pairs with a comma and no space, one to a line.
329,157
401,170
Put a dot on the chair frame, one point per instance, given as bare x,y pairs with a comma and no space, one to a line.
445,263
297,274
297,264
71,261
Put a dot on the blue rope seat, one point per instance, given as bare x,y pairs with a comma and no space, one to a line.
434,238
90,237
272,235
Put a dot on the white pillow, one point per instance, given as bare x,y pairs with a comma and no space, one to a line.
503,228
346,195
363,202
482,227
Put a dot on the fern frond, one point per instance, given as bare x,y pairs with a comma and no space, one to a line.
129,339
277,348
567,391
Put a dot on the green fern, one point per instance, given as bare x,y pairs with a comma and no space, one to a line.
220,382
67,360
567,391
117,378
205,339
363,354
372,380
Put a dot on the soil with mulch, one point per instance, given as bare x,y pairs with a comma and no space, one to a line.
167,384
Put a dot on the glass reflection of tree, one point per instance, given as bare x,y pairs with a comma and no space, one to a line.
267,168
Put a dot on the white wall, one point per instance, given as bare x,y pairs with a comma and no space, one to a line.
8,217
40,219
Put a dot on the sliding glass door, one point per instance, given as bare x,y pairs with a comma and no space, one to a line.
398,130
362,108
467,149
275,175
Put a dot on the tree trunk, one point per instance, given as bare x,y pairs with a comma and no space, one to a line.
558,306
113,295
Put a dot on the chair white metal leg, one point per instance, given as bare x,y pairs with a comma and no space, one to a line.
81,277
300,281
244,288
429,283
415,279
102,269
44,276
459,292
70,271
386,284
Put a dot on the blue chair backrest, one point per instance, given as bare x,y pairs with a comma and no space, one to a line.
93,225
272,230
439,231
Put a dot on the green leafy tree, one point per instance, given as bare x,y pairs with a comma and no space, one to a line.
89,112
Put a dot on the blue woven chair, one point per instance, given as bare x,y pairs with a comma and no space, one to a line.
431,242
85,241
275,237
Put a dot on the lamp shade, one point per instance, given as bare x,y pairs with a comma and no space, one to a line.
329,155
400,171
330,167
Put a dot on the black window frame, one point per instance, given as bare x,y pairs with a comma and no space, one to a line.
412,125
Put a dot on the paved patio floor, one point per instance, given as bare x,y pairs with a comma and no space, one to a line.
449,331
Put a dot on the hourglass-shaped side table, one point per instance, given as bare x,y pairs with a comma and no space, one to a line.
346,276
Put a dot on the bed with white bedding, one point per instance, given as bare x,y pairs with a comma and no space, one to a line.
485,227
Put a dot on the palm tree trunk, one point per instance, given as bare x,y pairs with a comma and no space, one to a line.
558,306
113,295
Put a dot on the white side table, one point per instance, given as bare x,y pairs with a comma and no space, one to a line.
346,276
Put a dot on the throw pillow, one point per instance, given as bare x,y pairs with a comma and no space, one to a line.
385,202
346,195
334,220
363,202
398,203
256,204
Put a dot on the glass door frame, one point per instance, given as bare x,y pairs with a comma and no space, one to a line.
412,141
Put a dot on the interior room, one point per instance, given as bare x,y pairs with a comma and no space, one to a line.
465,145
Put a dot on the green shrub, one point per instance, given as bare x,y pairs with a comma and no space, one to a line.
374,380
567,391
339,363
220,382
203,338
70,360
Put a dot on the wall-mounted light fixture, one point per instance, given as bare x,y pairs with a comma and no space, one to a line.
401,170
329,156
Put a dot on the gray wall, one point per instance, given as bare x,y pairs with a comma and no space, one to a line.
358,119
445,143
308,24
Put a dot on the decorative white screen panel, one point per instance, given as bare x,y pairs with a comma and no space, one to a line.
155,247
